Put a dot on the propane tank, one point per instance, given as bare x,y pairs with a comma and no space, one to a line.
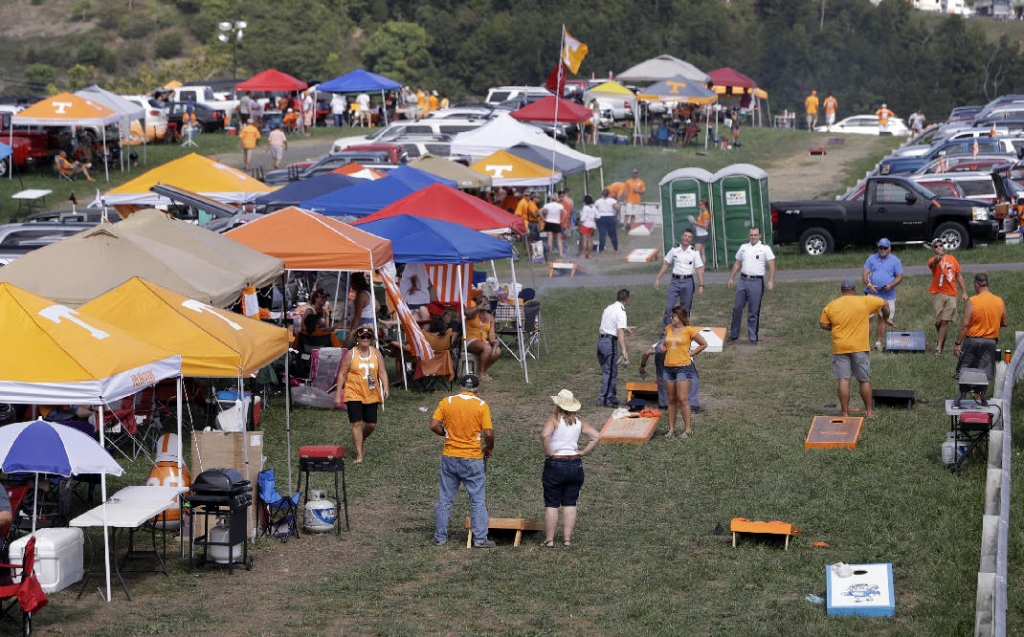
320,512
221,534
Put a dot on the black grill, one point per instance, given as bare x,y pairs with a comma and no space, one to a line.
222,487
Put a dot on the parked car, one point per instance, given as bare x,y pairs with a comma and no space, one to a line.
502,94
210,119
964,113
866,125
326,163
154,125
31,145
895,165
85,215
428,126
465,111
918,148
17,239
964,163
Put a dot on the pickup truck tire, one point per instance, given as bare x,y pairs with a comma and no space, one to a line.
816,242
4,167
953,235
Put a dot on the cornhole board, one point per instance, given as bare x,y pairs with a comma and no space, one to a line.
905,342
629,430
868,592
743,525
894,397
820,150
646,390
641,229
515,524
642,255
715,337
828,432
561,268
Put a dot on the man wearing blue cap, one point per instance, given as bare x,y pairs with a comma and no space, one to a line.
883,271
849,319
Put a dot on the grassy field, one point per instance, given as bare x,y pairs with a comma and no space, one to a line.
646,558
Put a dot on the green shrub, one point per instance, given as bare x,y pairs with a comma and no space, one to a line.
95,53
81,10
134,26
168,45
40,74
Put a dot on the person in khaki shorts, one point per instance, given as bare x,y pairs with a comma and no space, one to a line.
945,279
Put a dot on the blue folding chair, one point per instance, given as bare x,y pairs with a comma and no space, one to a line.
279,515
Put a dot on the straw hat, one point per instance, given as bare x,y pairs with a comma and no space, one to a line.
566,401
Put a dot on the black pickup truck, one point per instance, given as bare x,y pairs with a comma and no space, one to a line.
892,207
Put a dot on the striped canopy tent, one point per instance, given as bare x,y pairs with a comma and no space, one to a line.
729,82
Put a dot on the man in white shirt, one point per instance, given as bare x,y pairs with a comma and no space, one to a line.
686,265
607,219
363,100
308,111
611,338
338,108
753,260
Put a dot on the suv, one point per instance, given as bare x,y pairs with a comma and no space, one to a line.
427,126
895,165
327,163
525,94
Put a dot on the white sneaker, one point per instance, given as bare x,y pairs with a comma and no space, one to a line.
878,346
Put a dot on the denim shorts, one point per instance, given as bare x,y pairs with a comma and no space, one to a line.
562,480
686,372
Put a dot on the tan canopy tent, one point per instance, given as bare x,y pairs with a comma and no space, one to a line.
257,268
466,178
84,266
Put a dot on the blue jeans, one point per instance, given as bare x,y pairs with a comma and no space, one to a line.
607,227
659,369
470,472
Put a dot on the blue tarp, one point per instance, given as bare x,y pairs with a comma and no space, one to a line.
298,191
422,240
369,197
359,81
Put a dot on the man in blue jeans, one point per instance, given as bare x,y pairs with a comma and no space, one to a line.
464,421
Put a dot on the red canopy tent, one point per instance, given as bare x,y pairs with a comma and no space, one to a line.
272,80
730,82
438,201
543,110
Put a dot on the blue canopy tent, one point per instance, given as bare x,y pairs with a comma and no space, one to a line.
359,81
369,197
423,240
299,191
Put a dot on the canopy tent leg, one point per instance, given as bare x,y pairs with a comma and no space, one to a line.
519,326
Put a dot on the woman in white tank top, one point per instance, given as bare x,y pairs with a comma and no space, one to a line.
563,467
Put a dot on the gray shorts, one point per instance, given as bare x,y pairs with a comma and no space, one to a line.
857,364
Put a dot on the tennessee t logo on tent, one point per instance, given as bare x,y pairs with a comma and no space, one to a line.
57,313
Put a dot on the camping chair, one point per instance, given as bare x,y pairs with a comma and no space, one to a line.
279,514
62,167
663,135
440,368
53,508
317,390
121,430
22,592
16,494
509,337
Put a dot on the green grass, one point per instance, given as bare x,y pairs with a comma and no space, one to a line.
645,560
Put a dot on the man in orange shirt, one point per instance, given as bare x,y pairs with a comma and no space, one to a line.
984,315
945,278
248,138
811,106
831,105
527,211
464,421
635,188
883,117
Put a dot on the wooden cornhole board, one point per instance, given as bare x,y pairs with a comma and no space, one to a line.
642,255
715,337
868,591
641,229
562,268
647,390
515,524
743,525
828,432
629,430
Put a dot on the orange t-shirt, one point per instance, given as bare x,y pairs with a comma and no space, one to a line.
635,188
616,190
944,273
464,417
987,317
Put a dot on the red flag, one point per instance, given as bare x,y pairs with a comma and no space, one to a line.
556,80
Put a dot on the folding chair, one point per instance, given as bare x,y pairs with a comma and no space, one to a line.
279,514
62,175
22,592
440,368
531,332
8,533
52,510
121,430
317,390
972,428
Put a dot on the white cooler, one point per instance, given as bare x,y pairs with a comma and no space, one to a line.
59,561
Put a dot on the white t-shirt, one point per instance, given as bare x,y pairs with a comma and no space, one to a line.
364,101
422,295
606,207
553,212
588,217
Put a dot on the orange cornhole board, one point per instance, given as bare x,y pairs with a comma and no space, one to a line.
514,524
743,525
642,255
629,430
833,431
646,390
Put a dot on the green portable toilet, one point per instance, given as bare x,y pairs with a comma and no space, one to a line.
739,201
681,192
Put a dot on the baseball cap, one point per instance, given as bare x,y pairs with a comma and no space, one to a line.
471,382
981,278
937,242
884,243
636,172
848,284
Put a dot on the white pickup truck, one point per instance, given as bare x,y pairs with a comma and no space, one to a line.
204,95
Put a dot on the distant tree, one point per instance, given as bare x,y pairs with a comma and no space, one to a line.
400,50
81,10
40,74
80,76
168,45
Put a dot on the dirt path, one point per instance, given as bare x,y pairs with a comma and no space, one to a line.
805,176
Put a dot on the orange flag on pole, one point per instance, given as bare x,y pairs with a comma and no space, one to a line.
573,51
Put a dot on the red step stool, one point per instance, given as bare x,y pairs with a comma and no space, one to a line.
328,459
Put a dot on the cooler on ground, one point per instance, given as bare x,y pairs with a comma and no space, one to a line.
59,561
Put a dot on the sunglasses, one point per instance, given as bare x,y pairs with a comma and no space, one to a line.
367,337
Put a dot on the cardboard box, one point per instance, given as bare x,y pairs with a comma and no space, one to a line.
224,450
59,561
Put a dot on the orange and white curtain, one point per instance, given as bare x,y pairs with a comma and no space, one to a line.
418,343
445,281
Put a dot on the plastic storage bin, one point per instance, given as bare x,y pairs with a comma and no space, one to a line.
59,562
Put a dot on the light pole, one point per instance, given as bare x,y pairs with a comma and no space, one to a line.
236,28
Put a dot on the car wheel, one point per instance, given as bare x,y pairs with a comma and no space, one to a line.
816,242
4,167
953,236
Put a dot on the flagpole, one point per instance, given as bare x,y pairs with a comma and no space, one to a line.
560,78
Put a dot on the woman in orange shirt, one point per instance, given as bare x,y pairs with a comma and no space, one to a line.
363,385
679,370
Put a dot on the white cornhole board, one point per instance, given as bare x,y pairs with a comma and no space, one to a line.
868,592
642,255
714,336
641,230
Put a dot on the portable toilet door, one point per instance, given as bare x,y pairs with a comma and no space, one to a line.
739,203
681,192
